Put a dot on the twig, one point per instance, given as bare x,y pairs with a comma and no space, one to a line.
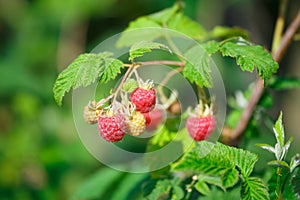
122,82
259,85
162,62
165,80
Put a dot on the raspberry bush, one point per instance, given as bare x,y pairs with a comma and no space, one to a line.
206,170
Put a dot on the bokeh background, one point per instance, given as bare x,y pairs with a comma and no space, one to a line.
41,156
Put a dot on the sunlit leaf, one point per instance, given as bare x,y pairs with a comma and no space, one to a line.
197,69
279,131
249,56
187,26
84,70
138,49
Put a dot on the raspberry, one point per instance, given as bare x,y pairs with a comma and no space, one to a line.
200,128
153,119
112,127
135,124
201,123
143,99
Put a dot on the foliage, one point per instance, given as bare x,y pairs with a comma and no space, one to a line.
42,158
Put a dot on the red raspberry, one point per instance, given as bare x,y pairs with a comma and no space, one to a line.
143,99
153,119
112,127
200,128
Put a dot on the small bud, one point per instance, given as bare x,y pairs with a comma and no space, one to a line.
195,177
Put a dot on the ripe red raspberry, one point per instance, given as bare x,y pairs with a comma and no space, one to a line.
201,123
153,119
200,128
112,127
143,99
135,124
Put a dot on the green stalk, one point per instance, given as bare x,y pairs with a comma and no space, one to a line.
279,25
278,183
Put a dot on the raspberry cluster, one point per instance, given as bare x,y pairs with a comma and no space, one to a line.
134,114
132,117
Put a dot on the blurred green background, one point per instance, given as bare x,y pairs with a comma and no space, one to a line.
41,156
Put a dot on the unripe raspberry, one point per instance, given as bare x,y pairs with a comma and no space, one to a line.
112,127
135,124
91,113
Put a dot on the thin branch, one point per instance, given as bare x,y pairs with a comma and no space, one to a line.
259,85
165,80
122,82
162,62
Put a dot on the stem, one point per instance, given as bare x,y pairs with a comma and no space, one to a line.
278,182
284,182
279,25
162,62
259,85
122,82
287,38
165,80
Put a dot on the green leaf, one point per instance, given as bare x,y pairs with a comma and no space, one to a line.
211,47
254,189
161,137
267,147
130,85
162,189
202,187
148,28
295,182
163,16
279,163
187,26
217,161
177,193
138,49
279,131
206,158
127,185
249,56
197,68
283,83
244,160
213,180
227,32
216,194
141,29
295,162
230,178
97,185
84,70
